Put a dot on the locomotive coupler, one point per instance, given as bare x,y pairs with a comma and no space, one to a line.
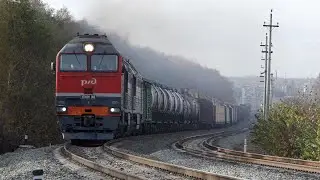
88,120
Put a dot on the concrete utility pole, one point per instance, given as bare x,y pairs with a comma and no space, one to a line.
265,75
272,89
271,27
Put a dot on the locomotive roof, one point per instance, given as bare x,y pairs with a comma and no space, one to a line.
91,38
102,44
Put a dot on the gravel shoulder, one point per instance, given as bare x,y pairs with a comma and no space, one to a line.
236,142
20,164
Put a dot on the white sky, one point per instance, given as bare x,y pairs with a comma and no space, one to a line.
221,34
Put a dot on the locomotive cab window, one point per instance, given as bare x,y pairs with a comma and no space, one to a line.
73,62
104,63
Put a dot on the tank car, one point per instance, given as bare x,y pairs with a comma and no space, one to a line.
167,109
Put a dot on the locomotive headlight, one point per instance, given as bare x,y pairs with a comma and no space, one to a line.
61,109
88,47
114,110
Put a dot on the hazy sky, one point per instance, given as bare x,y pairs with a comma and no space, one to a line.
221,34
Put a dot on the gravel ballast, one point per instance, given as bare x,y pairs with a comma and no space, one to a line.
245,171
159,147
144,145
233,168
20,164
99,156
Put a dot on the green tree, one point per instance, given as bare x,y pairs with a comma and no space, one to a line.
292,129
31,34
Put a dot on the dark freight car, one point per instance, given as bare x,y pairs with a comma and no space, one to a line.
206,113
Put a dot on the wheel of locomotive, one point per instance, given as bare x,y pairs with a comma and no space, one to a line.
125,128
129,126
136,131
118,132
140,131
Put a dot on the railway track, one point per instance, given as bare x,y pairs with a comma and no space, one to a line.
164,166
167,167
208,150
97,167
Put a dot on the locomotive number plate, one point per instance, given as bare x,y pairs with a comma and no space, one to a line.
88,96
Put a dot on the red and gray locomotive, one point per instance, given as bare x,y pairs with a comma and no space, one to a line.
101,96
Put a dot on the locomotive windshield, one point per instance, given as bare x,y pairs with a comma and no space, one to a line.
73,62
99,63
104,63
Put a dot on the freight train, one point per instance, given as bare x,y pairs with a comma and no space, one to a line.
101,96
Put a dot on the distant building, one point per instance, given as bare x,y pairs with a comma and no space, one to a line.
252,95
249,90
243,96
